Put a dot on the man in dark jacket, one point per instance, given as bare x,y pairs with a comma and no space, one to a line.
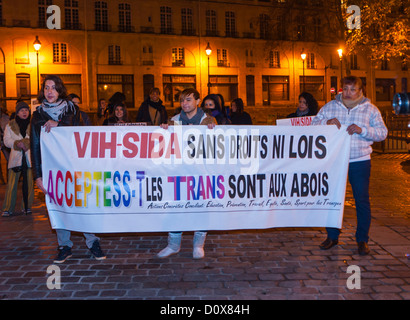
152,111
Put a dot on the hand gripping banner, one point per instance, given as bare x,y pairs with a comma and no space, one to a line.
148,179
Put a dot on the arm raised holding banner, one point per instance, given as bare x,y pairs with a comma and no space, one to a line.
55,110
190,114
365,125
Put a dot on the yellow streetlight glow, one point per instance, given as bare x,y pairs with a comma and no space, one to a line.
37,44
340,52
208,50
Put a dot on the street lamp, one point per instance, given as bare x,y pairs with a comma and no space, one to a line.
208,52
340,52
37,46
303,56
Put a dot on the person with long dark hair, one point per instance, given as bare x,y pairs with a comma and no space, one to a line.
212,105
120,115
238,115
308,106
56,110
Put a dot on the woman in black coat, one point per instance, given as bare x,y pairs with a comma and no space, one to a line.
308,106
239,116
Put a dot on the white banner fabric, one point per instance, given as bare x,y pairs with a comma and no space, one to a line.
186,178
298,121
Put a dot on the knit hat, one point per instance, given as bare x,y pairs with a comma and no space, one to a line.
21,105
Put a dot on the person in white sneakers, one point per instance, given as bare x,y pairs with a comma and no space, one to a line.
191,114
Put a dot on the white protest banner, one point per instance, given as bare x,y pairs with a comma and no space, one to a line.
147,179
298,121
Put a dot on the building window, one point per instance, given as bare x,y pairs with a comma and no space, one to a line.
101,16
353,62
301,28
227,86
71,81
124,10
166,20
274,59
23,85
384,64
264,25
187,24
42,12
147,56
72,21
210,23
1,16
108,84
250,63
274,88
230,24
174,85
385,89
311,61
178,57
314,85
114,55
222,57
317,29
60,54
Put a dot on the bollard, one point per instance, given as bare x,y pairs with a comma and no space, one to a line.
401,103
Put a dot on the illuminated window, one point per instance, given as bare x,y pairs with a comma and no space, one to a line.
60,54
178,57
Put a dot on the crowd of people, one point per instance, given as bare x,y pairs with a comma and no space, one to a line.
21,144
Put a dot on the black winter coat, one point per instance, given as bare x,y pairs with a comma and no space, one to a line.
37,121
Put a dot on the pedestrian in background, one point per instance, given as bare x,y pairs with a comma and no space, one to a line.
238,115
120,115
365,124
212,105
308,106
152,110
84,118
17,138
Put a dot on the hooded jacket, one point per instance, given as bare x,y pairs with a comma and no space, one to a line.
365,115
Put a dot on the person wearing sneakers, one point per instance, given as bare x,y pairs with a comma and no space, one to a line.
365,124
191,114
17,138
56,110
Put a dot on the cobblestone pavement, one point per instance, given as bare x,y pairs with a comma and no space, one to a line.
283,263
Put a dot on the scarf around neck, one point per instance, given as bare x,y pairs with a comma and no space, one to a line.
57,109
302,113
195,120
156,105
352,103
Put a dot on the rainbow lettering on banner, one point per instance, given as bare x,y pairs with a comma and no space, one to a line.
130,179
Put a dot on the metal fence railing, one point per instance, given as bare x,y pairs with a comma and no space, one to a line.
398,138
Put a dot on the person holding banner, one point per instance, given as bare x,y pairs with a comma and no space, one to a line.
56,110
364,122
191,114
308,106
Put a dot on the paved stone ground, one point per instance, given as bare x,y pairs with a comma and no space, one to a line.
272,264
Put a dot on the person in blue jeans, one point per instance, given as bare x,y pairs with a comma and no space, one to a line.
365,124
56,110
